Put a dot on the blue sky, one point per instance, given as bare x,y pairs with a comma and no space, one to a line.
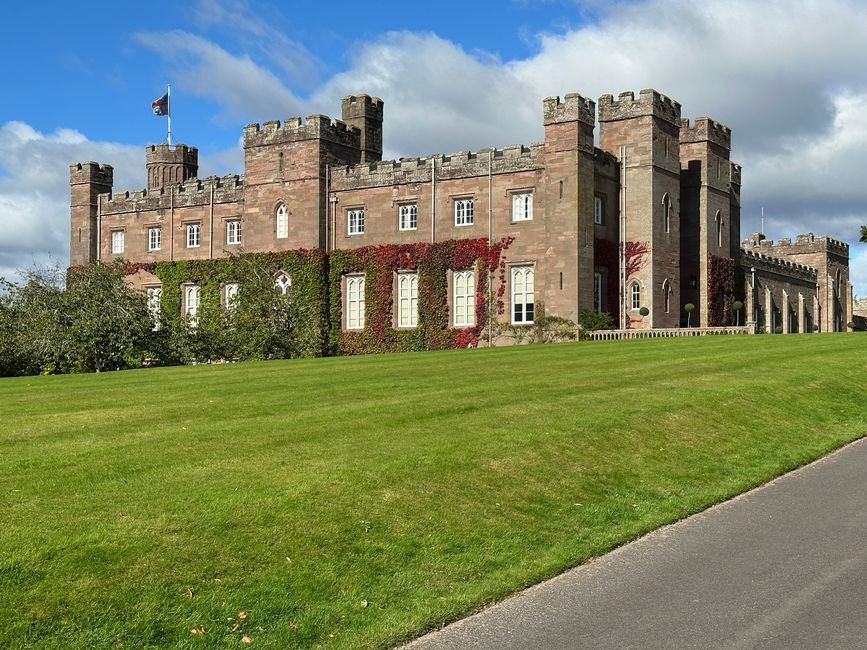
786,75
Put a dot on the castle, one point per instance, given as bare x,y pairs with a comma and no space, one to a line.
639,226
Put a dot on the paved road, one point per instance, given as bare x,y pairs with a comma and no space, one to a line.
783,566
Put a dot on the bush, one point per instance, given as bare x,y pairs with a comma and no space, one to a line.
591,321
644,311
778,329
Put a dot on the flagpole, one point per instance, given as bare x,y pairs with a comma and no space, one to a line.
169,106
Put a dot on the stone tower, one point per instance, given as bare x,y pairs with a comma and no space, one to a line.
566,195
86,182
705,212
644,134
170,165
365,113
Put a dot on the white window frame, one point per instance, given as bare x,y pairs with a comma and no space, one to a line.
230,295
118,238
283,282
194,235
407,216
355,302
523,294
464,298
597,210
407,300
233,232
192,301
355,221
155,238
635,296
464,212
154,303
522,206
282,225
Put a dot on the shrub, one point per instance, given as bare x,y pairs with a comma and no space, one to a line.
644,311
778,329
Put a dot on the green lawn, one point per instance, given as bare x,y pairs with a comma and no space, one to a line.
357,502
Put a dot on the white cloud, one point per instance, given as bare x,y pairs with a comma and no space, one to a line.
243,88
788,77
858,269
34,189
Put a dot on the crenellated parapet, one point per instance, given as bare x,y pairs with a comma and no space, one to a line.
461,164
751,259
649,102
196,191
91,173
735,174
803,244
294,129
573,108
706,130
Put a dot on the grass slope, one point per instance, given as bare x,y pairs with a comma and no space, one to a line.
406,490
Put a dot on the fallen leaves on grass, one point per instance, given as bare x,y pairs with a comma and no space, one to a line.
246,639
198,630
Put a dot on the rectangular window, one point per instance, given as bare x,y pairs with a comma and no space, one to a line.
523,297
230,295
464,212
597,211
522,207
598,291
154,297
155,239
408,217
194,235
355,302
407,299
464,298
117,241
191,305
355,221
233,231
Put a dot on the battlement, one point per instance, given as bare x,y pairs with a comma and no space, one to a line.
91,172
573,108
735,174
178,153
362,105
649,102
706,130
605,162
807,243
418,170
195,191
294,129
761,261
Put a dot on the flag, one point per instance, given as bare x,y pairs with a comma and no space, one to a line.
161,106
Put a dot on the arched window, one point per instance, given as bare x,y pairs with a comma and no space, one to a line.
282,282
635,293
282,221
838,282
666,213
666,295
719,226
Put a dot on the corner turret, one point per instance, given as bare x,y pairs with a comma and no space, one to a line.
87,181
365,113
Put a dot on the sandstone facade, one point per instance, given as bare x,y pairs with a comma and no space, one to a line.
656,184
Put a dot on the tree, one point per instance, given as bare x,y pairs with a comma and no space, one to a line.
688,308
109,325
737,306
89,321
864,234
